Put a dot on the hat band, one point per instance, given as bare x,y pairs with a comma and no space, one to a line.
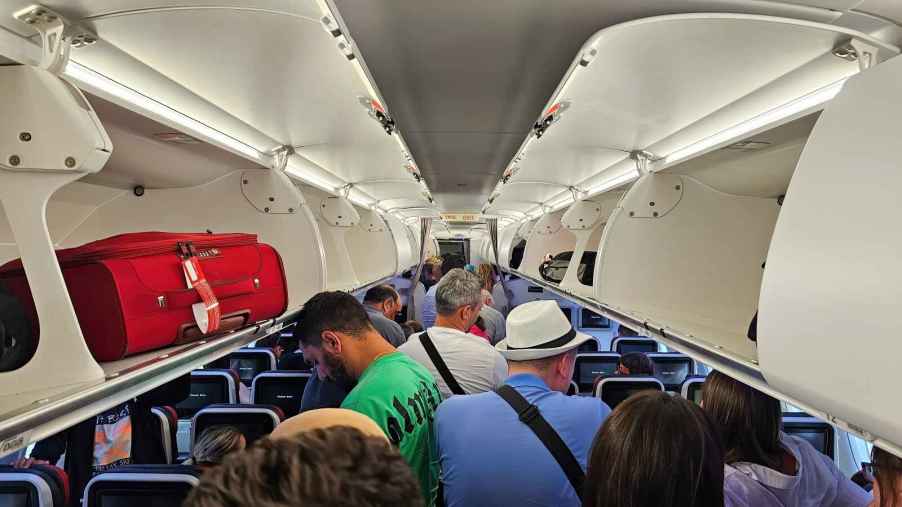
557,342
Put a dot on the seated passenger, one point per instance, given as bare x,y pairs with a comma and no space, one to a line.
635,363
126,433
327,418
887,473
656,450
488,456
214,444
472,363
392,389
765,465
623,331
448,263
493,319
340,466
382,304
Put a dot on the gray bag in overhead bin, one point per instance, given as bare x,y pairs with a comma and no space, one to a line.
17,342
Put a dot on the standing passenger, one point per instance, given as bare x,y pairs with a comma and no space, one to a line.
382,304
887,472
791,471
473,364
392,389
495,326
448,263
488,454
656,450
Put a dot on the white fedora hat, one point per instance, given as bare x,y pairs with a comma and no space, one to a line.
539,329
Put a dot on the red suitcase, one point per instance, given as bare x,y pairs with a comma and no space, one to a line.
131,293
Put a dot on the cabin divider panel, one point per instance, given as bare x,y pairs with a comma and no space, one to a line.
828,329
682,255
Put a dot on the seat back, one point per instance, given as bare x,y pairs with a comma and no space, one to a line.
253,421
209,387
613,390
589,346
248,362
590,365
672,368
283,389
37,486
817,432
169,420
573,390
692,388
627,344
141,486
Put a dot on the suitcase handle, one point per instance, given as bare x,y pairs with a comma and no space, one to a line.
186,298
190,332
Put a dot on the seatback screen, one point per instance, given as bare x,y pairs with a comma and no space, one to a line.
671,372
248,367
591,320
627,346
590,368
147,495
568,312
251,425
285,394
615,393
10,499
204,391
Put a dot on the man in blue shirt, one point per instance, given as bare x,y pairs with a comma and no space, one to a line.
488,456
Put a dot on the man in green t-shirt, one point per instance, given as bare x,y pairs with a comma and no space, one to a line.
392,389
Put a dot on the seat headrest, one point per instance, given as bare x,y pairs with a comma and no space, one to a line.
615,389
48,485
253,420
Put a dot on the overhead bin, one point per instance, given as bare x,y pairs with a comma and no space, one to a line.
373,251
586,219
829,322
548,237
405,245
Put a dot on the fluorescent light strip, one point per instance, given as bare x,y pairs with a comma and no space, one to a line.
85,77
560,203
313,179
794,107
613,182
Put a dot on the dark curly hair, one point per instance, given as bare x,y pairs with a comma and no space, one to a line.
338,466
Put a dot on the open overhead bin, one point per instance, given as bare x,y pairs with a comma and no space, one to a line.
548,240
710,130
829,322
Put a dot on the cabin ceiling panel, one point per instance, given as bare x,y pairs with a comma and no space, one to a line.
489,67
889,9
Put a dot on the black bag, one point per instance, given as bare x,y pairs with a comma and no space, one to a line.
17,344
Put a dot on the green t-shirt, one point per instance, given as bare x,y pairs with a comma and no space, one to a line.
401,396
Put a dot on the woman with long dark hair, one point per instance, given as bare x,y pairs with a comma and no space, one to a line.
887,472
765,465
655,450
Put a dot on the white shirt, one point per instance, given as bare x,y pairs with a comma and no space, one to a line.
475,364
816,483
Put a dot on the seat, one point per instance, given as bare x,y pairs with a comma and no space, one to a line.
627,344
573,390
283,389
692,388
568,312
589,346
208,387
590,365
613,390
672,368
248,362
169,421
141,486
37,486
818,433
253,421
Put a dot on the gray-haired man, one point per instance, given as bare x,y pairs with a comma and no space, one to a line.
461,363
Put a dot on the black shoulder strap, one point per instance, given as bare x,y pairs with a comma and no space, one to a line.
529,414
440,365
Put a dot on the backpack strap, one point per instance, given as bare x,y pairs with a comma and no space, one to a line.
530,415
440,365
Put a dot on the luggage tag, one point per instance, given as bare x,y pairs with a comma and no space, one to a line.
206,313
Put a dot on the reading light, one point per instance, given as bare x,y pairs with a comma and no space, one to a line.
799,105
91,80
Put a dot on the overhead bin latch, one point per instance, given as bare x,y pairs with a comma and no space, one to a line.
643,159
866,54
58,35
552,116
378,113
